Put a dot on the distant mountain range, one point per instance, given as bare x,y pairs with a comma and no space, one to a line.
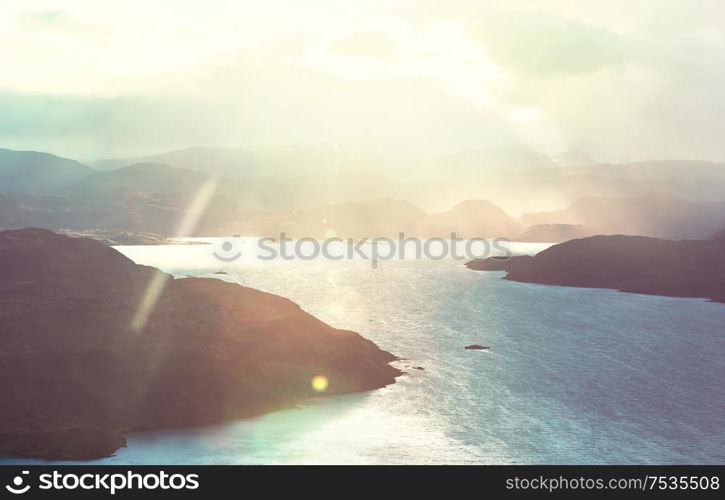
245,163
305,192
32,172
657,215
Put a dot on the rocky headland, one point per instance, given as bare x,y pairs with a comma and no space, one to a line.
93,346
637,264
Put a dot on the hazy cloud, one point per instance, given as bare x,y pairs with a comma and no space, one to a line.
619,79
49,17
540,45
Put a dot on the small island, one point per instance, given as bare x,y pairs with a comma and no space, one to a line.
95,346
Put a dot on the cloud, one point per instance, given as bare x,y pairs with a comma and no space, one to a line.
616,79
622,84
541,45
49,17
253,103
85,127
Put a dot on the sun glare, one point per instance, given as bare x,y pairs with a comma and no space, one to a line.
319,383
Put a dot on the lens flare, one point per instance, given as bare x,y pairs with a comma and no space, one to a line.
319,383
186,228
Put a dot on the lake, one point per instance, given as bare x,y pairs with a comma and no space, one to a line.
573,376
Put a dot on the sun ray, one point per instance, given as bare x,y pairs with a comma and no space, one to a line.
186,228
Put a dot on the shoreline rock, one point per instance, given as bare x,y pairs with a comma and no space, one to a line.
70,443
121,238
498,263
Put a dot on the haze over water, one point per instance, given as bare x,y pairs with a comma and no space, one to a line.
572,376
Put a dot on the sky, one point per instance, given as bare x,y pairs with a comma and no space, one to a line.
620,80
